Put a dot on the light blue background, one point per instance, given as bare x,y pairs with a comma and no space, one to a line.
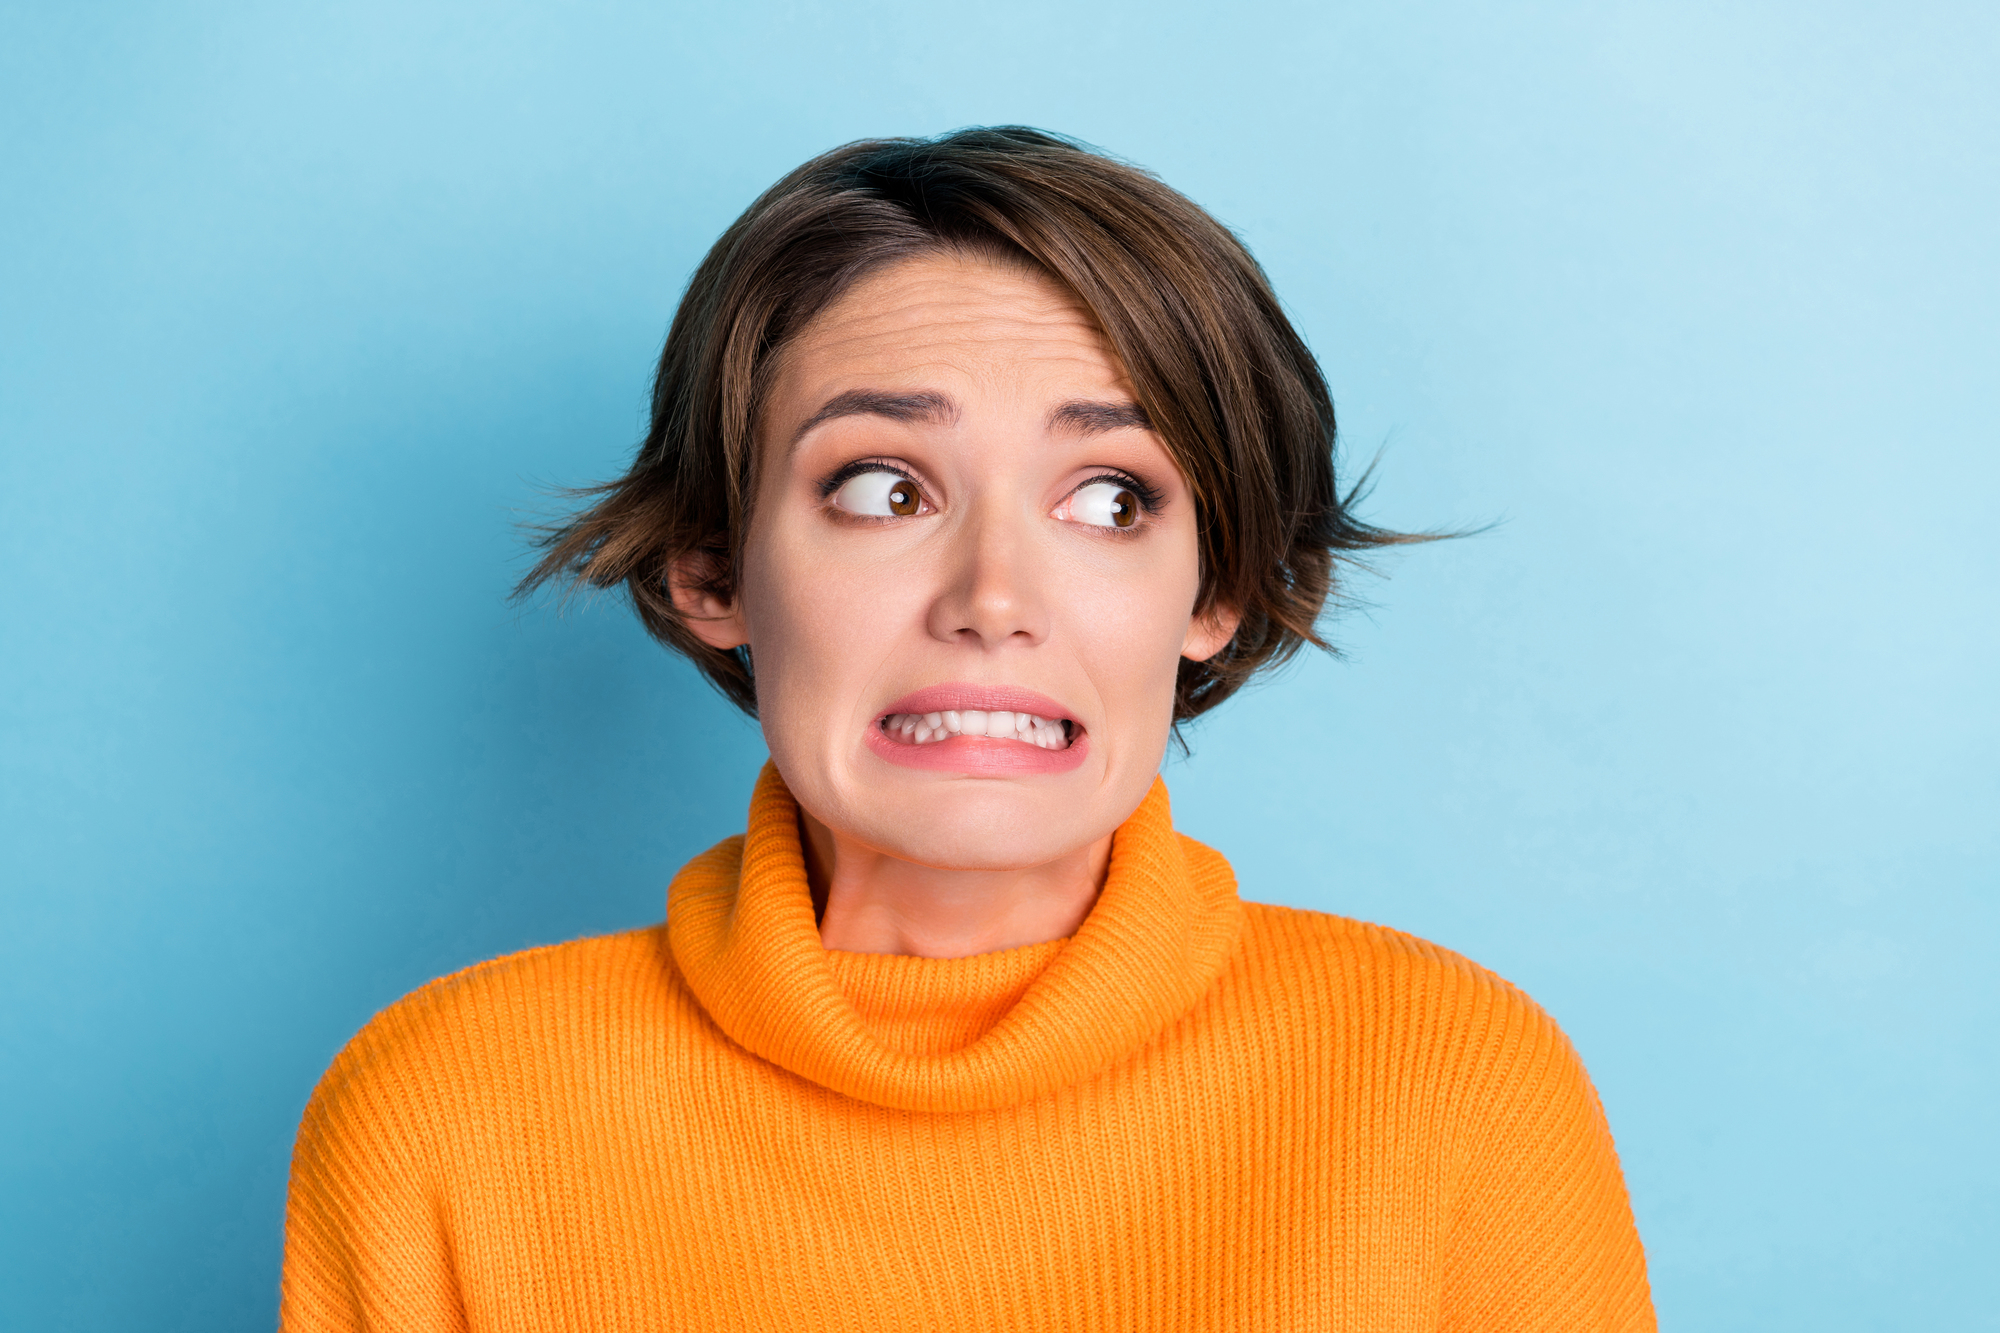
302,304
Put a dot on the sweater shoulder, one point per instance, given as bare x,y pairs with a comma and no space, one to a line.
511,1010
1412,1010
1361,965
1302,930
532,985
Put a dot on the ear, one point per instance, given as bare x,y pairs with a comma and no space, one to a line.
715,620
1210,631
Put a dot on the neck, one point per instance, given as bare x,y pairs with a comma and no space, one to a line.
870,902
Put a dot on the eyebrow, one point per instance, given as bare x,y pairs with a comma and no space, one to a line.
933,408
1082,417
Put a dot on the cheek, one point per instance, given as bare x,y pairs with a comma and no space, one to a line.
1128,624
818,626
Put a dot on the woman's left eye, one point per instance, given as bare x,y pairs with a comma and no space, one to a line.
880,494
1102,504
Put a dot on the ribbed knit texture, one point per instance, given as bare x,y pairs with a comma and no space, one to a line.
1194,1114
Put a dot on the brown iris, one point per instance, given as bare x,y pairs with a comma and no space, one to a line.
1124,508
902,499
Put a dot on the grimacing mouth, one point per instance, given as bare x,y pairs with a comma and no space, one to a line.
1046,733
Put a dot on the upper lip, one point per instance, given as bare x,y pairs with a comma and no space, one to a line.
986,698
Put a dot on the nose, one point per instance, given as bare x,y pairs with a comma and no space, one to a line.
991,594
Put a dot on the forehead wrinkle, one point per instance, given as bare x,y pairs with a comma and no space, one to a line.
919,328
925,302
945,339
942,330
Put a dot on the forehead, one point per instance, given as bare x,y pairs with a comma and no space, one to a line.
956,322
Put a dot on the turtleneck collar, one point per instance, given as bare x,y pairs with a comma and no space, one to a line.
740,924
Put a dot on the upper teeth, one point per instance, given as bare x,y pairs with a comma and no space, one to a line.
923,728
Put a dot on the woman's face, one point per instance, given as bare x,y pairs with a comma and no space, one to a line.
970,572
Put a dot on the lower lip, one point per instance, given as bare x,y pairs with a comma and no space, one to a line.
979,756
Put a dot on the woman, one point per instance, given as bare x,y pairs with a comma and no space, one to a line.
976,465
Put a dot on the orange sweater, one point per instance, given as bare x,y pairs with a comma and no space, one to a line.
1194,1114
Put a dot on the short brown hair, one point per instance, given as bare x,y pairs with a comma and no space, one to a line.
1228,384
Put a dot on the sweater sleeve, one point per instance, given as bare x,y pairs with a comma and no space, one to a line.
1541,1233
366,1246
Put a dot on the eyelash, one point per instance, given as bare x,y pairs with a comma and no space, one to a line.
1149,497
848,472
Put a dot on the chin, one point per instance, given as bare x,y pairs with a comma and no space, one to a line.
944,841
953,822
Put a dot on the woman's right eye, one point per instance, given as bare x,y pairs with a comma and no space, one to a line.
879,495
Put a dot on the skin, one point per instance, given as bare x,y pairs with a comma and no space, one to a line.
1000,580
